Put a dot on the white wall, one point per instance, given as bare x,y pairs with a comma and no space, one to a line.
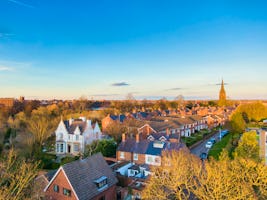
153,160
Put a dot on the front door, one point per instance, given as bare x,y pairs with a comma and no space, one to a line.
69,148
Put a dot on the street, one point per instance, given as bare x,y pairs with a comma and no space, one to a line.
201,147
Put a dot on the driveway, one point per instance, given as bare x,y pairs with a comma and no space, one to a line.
201,147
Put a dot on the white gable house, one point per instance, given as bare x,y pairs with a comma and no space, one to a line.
72,135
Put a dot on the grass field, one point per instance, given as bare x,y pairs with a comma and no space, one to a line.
220,145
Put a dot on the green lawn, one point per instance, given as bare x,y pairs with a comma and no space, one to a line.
220,145
195,137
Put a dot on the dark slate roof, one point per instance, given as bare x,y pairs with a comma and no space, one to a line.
151,150
122,118
113,117
71,128
67,125
130,145
147,147
134,115
49,175
174,136
157,136
83,173
144,114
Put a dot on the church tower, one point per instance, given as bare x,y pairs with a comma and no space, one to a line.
222,95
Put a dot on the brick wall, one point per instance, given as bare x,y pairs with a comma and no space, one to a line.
127,156
62,182
109,194
141,159
105,122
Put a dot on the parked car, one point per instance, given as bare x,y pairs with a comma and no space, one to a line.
209,144
223,133
213,140
203,156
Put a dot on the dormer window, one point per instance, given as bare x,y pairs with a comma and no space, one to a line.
158,144
151,138
101,182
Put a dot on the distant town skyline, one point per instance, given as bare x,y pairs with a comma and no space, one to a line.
151,49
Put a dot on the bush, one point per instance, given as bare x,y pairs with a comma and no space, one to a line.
68,159
48,161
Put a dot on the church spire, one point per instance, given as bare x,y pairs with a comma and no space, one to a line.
222,95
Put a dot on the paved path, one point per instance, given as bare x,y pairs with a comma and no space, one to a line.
201,147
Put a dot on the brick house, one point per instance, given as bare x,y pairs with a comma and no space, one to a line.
87,179
146,151
112,119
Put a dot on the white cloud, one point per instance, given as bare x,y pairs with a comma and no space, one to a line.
21,3
5,68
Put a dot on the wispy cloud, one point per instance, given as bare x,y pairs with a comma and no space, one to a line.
5,35
175,89
21,3
5,68
120,84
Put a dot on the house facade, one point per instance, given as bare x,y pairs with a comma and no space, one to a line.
88,179
74,134
146,151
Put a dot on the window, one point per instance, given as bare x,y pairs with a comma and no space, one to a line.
157,160
121,154
56,188
58,147
77,137
149,159
76,147
61,147
135,156
101,182
66,192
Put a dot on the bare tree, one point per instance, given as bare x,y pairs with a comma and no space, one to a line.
16,177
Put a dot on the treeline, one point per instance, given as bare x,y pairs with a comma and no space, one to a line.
246,114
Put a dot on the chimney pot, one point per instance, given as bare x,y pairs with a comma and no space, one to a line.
137,138
123,137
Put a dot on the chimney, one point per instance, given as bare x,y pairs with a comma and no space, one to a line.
71,121
123,137
137,138
167,131
83,118
147,129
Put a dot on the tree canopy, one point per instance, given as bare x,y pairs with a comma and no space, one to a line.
248,146
184,176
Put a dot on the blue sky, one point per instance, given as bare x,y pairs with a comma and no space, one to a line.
152,49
